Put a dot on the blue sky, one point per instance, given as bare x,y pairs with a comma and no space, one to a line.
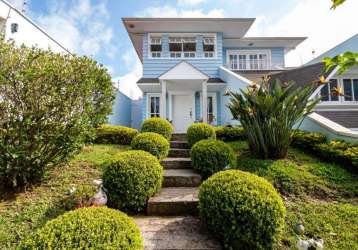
94,27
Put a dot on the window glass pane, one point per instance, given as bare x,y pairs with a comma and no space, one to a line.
209,47
253,62
324,93
175,47
210,104
333,85
355,89
347,86
154,106
233,61
242,61
189,47
156,47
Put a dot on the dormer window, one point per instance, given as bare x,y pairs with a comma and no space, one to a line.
156,47
209,47
182,47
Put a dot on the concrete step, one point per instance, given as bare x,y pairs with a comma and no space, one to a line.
178,137
174,201
179,152
176,163
175,233
179,144
181,178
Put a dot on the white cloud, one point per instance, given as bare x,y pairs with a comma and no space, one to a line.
324,28
190,2
19,4
169,11
128,82
81,26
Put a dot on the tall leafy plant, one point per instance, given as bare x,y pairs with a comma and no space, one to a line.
268,112
49,105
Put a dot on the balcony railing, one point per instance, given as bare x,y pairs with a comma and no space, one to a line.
257,64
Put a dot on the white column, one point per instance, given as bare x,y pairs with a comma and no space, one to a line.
163,100
204,102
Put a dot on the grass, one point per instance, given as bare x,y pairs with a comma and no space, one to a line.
22,213
320,194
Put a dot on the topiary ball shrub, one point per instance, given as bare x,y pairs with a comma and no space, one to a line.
88,228
110,134
159,126
153,143
242,209
131,178
211,156
200,131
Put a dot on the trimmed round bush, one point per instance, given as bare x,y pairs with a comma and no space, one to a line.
153,143
131,178
200,131
242,209
229,133
211,156
110,134
88,228
159,126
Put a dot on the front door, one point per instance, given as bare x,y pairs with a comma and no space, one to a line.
183,112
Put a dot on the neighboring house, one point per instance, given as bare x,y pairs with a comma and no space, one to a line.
17,27
191,63
341,109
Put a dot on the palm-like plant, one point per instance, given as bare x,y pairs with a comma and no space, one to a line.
269,111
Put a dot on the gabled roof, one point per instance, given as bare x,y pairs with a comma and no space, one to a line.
183,71
350,44
303,75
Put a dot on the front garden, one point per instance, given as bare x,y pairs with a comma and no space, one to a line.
68,181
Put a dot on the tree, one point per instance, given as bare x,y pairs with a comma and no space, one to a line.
49,106
345,60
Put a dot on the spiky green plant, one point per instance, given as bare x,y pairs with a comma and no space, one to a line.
268,112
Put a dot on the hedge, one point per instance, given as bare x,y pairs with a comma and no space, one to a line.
153,143
88,228
159,126
200,131
230,133
243,210
131,178
338,151
110,134
211,156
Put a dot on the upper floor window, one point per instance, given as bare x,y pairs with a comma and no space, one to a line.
247,60
340,90
182,47
209,47
156,47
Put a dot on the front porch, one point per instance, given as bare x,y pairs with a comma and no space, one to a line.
179,96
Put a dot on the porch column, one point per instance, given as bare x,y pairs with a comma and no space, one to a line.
204,101
163,100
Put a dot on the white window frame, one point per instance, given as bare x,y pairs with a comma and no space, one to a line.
149,96
182,35
341,99
213,95
150,42
213,43
182,40
247,53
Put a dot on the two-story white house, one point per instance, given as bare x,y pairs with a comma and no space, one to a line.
189,64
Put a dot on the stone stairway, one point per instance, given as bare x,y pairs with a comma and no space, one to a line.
171,222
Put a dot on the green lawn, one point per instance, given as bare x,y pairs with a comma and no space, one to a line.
324,196
22,213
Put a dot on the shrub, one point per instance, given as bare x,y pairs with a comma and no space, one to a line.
110,134
306,140
211,156
50,105
268,112
228,133
153,143
242,209
200,131
131,178
88,228
159,126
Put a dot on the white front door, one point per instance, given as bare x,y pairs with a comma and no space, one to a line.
183,112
